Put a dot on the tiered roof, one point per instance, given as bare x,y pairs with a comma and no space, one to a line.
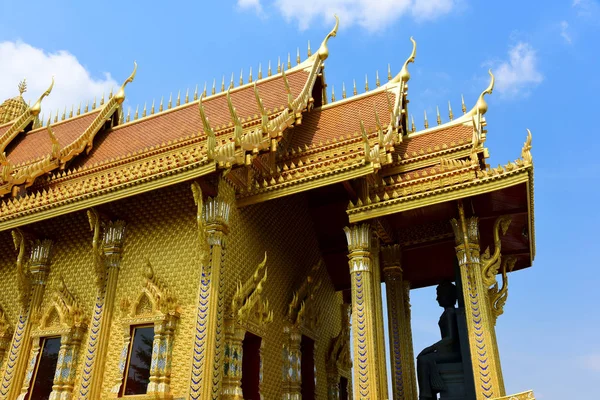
274,137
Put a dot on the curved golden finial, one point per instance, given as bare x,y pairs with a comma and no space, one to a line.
323,51
404,75
37,107
526,150
120,96
481,106
237,124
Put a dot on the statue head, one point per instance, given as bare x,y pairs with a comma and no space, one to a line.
446,294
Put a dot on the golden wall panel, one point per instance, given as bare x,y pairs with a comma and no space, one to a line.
161,228
283,228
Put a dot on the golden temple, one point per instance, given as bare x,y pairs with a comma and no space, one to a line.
232,244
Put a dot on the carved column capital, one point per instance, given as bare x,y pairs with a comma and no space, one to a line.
358,237
39,260
391,257
112,243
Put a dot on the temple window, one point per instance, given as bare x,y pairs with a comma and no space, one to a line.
45,368
307,349
148,325
138,363
344,388
251,366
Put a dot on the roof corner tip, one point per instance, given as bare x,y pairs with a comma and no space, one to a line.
120,96
323,51
404,75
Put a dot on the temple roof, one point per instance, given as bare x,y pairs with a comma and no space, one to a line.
357,157
11,109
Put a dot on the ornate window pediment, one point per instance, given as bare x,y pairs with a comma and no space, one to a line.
154,305
64,318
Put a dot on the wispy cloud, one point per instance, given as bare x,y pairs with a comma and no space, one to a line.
564,32
369,14
586,8
74,82
591,362
517,75
250,5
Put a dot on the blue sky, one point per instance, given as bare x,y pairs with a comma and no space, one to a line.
546,61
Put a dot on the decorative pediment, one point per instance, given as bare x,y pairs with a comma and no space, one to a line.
302,310
248,306
338,356
153,300
64,312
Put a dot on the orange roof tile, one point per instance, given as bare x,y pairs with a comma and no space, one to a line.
440,137
340,119
37,142
185,120
4,128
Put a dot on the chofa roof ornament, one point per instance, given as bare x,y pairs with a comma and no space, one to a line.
404,75
481,106
120,96
37,107
323,51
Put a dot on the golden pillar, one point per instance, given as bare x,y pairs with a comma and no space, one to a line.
32,277
107,247
232,362
213,220
484,357
364,339
292,363
378,307
399,322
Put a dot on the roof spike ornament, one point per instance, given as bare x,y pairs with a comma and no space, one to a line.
102,99
412,123
72,109
354,91
211,139
366,83
481,106
250,76
56,117
203,91
170,103
289,63
160,106
450,114
241,76
323,51
259,76
309,52
278,65
389,72
214,86
343,90
79,109
439,118
187,95
22,86
298,55
269,72
377,81
37,106
332,94
64,114
178,101
110,94
426,122
94,103
128,115
152,108
223,84
135,116
87,106
144,112
237,130
463,106
120,96
231,82
404,75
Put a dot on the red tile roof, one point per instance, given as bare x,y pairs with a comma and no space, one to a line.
342,119
185,121
37,142
439,137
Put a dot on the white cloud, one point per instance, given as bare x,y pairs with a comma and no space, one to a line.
564,31
586,8
517,75
371,15
73,83
250,4
591,362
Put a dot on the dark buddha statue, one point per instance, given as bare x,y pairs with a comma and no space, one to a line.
446,350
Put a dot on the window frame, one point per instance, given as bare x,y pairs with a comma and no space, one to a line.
130,352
